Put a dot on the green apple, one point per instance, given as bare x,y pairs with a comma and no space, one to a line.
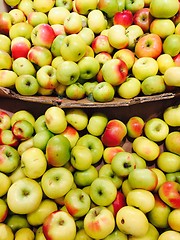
5,60
8,78
86,177
130,88
81,234
22,66
165,61
56,182
133,32
143,178
146,148
40,124
66,4
116,234
21,29
81,157
101,44
156,129
170,76
67,72
171,44
141,68
77,202
5,43
108,7
89,67
39,235
58,150
38,216
22,193
153,85
73,48
6,232
57,15
84,7
94,144
126,187
6,183
20,233
87,35
134,6
168,162
169,234
123,163
75,91
152,234
117,36
172,142
103,92
77,118
17,221
99,222
173,220
39,6
96,21
26,85
73,23
103,191
97,123
89,87
126,220
170,8
140,162
141,199
56,45
41,138
158,26
35,18
171,115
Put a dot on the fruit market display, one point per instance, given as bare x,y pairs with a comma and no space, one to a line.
98,49
68,174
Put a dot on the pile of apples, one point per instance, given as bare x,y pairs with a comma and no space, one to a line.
98,49
69,175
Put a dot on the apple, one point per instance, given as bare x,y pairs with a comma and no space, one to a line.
3,210
118,203
40,124
67,72
46,77
73,48
77,202
39,6
110,152
89,87
142,178
158,26
22,192
165,61
172,81
141,199
103,191
58,150
22,130
176,60
5,43
172,142
17,221
21,29
39,235
108,7
57,15
156,129
5,60
158,216
116,234
77,118
37,217
133,33
114,133
146,148
75,91
26,85
57,60
149,45
153,85
8,138
20,47
161,177
81,157
169,115
56,182
126,55
8,78
140,162
101,44
72,23
117,36
170,234
6,231
88,67
135,126
94,144
134,6
22,66
40,56
97,123
5,120
99,222
56,45
22,115
59,224
124,18
71,134
177,29
10,159
81,234
87,35
123,163
20,233
126,188
168,162
6,182
152,233
58,29
6,24
36,18
126,220
170,8
106,171
169,41
143,19
130,88
84,7
103,92
173,219
86,177
26,6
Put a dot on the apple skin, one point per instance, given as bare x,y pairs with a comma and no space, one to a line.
149,87
26,85
17,221
114,133
21,29
26,231
118,203
165,61
110,152
97,123
40,56
135,126
169,10
124,18
71,134
161,177
6,182
117,36
8,138
6,231
158,26
5,42
3,210
23,130
77,118
169,234
84,7
169,41
126,55
130,88
101,44
5,120
176,59
108,7
39,6
5,60
20,47
169,194
172,142
173,80
173,220
75,91
103,92
168,162
5,20
133,32
143,19
36,18
169,115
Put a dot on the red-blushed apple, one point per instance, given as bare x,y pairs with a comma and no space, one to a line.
101,44
126,55
143,19
58,29
3,210
20,47
59,224
149,45
22,130
118,203
8,138
110,152
71,134
135,126
5,120
124,18
5,23
35,18
126,220
158,216
169,193
40,56
22,115
114,133
143,178
177,60
99,222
